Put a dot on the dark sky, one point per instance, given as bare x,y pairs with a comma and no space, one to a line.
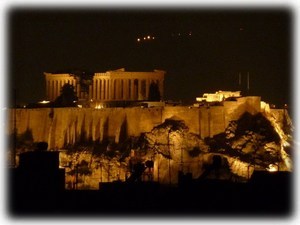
222,44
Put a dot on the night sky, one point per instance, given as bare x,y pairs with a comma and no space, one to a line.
201,50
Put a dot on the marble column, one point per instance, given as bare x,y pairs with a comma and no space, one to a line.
94,89
52,89
104,89
126,89
132,89
113,91
60,85
117,89
58,88
122,89
107,89
99,89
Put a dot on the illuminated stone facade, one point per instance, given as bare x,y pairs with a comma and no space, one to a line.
219,96
54,83
116,85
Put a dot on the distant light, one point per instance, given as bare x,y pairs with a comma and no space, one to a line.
79,106
178,34
148,37
144,38
138,40
44,102
286,144
272,168
190,33
99,106
152,37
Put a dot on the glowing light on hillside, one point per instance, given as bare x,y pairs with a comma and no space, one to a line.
100,106
284,143
272,168
44,102
145,38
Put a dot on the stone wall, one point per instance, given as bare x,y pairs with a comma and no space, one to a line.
60,126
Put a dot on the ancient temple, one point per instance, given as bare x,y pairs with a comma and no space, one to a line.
115,85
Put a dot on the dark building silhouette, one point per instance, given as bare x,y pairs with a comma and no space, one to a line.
37,182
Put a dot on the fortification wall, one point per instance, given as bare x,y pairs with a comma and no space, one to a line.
190,116
60,126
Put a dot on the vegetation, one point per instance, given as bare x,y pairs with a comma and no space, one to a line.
67,97
154,94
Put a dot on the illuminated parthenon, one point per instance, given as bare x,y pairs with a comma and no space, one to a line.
116,85
54,83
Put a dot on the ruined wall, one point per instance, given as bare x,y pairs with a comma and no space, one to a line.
60,126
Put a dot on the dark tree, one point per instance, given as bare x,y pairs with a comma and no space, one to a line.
67,97
154,94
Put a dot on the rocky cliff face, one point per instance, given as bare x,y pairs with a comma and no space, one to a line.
69,126
253,141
